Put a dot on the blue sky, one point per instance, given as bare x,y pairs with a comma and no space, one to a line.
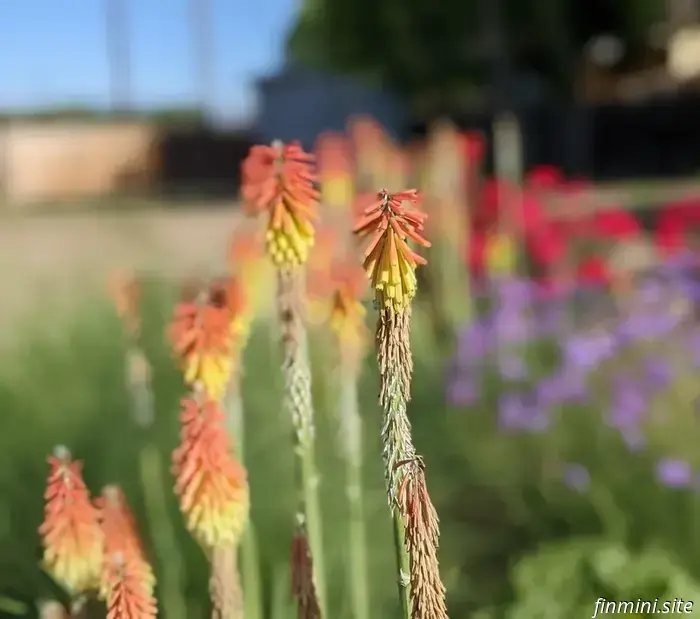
54,52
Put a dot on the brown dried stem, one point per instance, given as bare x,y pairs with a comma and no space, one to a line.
225,584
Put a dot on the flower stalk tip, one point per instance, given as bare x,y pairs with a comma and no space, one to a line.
127,598
278,180
389,262
127,580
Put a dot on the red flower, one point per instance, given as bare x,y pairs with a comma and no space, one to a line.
473,146
544,178
615,224
593,271
546,245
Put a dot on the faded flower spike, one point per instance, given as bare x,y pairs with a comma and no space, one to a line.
70,533
421,539
279,180
127,598
303,587
125,291
121,539
348,314
389,262
201,335
210,482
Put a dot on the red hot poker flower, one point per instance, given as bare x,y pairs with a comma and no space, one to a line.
210,482
71,533
121,539
389,262
278,180
127,598
202,342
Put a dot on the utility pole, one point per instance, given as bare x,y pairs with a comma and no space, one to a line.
203,51
118,55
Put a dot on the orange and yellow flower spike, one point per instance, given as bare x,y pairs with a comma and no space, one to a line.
389,262
71,534
278,180
127,598
211,484
201,336
122,544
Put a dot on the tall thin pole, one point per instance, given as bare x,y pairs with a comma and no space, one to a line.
118,54
203,51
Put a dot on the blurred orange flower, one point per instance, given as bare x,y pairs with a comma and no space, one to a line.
335,168
323,254
279,181
127,598
71,534
229,293
200,332
121,539
348,314
211,483
389,262
248,263
125,291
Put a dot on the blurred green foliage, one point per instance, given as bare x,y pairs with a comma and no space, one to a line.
517,543
441,54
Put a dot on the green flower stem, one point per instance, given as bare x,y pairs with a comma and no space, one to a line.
172,573
398,447
350,441
403,565
249,556
172,577
299,404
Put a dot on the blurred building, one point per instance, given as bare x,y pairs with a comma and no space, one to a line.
47,161
299,104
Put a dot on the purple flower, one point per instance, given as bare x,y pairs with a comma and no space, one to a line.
628,405
521,411
674,473
462,392
586,351
576,477
566,385
646,326
512,326
652,292
475,342
513,292
658,372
